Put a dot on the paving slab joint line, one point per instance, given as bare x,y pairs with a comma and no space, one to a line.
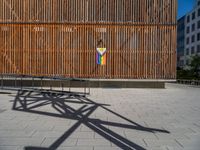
76,142
192,130
33,133
197,125
26,127
145,142
43,141
167,148
94,135
156,136
146,124
178,143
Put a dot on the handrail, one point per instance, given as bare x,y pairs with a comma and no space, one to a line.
190,82
61,79
43,77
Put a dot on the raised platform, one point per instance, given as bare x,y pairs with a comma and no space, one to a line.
93,83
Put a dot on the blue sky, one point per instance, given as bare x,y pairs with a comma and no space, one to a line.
184,6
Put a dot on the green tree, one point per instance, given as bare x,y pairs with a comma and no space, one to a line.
195,67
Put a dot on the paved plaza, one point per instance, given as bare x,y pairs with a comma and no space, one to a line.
107,119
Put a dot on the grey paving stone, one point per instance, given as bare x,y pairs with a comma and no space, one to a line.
106,148
47,134
68,142
83,135
183,148
9,148
93,142
157,148
140,135
84,128
57,121
4,117
40,127
15,133
159,143
193,136
20,141
164,136
76,148
76,135
131,143
175,109
12,126
61,128
190,142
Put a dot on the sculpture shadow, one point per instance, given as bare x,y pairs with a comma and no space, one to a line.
33,101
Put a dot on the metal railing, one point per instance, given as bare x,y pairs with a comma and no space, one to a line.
189,82
18,82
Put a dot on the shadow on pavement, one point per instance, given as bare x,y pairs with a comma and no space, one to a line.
31,101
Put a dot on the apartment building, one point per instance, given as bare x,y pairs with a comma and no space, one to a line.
188,37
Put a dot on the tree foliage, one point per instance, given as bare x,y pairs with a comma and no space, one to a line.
195,66
193,72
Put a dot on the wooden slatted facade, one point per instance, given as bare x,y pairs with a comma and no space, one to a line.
60,38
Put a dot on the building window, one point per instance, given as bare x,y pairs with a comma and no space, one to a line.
198,37
187,62
193,27
193,38
198,48
199,12
198,24
188,28
188,40
187,51
181,62
188,18
193,15
192,50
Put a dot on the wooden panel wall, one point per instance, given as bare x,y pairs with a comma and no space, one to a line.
90,11
60,37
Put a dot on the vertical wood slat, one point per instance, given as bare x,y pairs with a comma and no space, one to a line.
60,37
134,52
89,11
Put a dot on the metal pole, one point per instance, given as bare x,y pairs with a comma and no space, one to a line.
62,86
1,81
15,82
32,82
89,87
69,85
21,82
50,87
41,84
85,87
60,80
